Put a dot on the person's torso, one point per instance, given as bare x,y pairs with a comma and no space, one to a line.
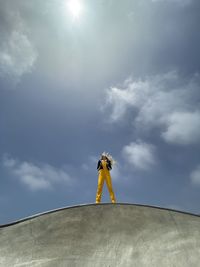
104,164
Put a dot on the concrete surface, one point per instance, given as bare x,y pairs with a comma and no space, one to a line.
104,235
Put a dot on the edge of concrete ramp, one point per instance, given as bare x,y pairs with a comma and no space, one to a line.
93,204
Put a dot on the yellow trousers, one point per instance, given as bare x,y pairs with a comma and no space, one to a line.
104,174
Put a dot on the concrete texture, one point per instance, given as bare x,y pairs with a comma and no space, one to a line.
104,235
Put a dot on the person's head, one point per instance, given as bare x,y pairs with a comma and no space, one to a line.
103,156
108,157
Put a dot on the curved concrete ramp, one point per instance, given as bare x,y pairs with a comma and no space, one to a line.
104,235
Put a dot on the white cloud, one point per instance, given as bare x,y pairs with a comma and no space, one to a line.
8,162
140,155
195,176
120,100
162,101
17,53
36,177
183,128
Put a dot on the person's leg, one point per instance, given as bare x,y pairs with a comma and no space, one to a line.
99,187
110,188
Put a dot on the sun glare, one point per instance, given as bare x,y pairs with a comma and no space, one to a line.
75,8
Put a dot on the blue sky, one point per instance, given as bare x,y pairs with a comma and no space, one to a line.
122,77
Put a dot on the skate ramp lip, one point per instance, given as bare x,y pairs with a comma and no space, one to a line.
96,235
92,204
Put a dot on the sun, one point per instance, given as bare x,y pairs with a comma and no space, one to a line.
75,8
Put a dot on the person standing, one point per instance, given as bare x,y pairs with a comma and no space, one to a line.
104,166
